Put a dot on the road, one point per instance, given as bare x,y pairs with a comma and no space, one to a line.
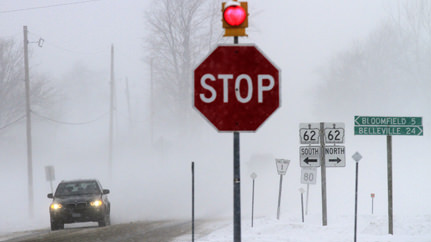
158,231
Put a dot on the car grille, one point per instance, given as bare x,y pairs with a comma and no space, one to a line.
77,205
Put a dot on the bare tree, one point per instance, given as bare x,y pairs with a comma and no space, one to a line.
382,73
12,93
181,32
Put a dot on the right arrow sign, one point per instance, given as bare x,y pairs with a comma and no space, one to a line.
335,156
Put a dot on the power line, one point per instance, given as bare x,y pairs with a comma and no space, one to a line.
99,52
47,6
13,122
58,46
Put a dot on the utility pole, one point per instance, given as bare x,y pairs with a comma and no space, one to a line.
28,117
128,103
111,116
151,102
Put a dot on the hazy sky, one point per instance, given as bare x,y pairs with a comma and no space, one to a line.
299,36
82,31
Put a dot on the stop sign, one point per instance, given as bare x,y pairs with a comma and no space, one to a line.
236,88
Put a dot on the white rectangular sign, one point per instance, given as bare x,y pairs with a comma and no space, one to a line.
309,156
334,133
309,133
308,175
282,166
49,173
335,156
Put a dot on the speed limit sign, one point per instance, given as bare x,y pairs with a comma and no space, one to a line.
308,175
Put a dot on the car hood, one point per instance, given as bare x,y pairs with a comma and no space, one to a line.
77,199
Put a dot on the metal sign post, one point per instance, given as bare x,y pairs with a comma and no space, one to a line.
308,176
282,166
372,203
193,201
301,190
323,174
253,177
390,197
279,196
236,189
357,157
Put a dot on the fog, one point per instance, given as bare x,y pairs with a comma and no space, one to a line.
151,167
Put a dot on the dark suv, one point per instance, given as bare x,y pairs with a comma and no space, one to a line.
79,201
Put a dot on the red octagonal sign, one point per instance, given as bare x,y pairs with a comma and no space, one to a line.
236,88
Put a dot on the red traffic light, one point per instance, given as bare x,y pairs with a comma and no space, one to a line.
234,15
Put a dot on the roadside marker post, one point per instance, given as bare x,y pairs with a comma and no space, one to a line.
253,177
301,190
282,166
357,157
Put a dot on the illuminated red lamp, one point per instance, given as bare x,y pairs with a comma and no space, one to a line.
235,18
234,14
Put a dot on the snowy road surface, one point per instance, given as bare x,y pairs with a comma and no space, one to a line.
136,231
371,228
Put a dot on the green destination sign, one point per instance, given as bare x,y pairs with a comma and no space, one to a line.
394,130
388,121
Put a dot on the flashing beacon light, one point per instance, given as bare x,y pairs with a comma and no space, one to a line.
235,18
234,14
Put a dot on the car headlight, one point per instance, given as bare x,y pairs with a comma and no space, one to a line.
96,203
56,206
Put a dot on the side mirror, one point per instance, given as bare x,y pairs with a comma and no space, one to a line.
50,195
105,191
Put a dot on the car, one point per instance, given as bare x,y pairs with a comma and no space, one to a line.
79,201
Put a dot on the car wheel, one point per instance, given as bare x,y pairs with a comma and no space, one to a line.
56,226
108,220
104,221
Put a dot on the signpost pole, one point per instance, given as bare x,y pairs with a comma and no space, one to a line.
302,204
236,182
357,157
236,189
390,208
356,200
252,204
306,199
372,203
193,201
279,196
323,173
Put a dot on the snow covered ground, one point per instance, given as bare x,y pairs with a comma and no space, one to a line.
370,229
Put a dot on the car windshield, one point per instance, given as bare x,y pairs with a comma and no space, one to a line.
77,188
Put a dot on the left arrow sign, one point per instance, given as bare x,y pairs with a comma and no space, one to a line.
309,156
